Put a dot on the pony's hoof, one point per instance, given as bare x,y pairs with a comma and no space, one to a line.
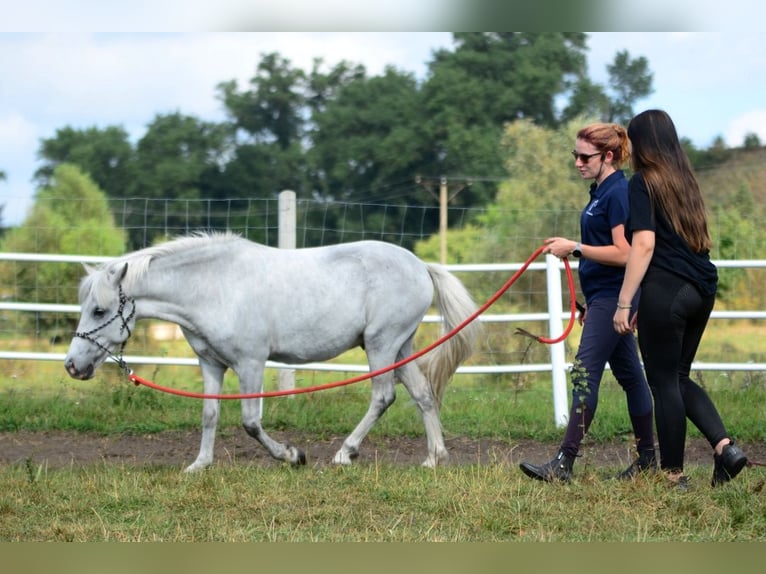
343,457
433,461
296,456
196,467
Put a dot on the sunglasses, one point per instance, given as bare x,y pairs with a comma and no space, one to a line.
584,157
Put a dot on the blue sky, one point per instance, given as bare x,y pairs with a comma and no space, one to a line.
712,83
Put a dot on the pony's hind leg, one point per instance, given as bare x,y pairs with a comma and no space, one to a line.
417,385
383,396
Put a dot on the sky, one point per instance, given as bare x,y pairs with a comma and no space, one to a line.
62,73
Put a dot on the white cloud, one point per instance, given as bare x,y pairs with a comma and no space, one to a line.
751,122
227,15
17,137
15,131
51,81
127,79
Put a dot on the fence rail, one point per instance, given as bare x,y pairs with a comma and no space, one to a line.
554,315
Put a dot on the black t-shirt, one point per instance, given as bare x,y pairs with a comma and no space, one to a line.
671,252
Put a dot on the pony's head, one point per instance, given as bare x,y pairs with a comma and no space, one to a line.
107,317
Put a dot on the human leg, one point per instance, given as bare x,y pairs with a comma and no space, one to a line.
700,409
629,374
728,459
660,335
596,344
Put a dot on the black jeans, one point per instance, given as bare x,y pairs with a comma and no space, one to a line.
672,316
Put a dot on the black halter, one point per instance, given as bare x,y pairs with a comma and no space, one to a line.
88,335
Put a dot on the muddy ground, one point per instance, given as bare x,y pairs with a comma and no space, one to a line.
233,446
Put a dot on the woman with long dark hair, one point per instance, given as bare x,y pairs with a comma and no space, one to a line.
669,261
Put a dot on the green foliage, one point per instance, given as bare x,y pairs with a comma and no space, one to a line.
271,110
630,80
70,197
106,155
541,197
337,135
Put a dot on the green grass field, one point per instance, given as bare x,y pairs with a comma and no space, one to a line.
485,502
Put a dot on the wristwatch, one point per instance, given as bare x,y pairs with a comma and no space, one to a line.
577,251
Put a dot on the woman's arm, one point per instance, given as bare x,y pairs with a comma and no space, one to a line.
640,255
615,254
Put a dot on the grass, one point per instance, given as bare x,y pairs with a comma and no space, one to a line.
477,503
473,407
482,502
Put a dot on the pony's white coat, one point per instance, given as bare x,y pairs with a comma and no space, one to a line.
240,304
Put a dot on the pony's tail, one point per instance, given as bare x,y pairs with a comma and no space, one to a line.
455,304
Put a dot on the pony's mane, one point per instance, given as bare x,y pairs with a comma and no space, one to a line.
95,283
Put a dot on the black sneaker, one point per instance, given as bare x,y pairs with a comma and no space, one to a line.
728,464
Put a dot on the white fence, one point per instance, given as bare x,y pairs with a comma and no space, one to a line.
554,315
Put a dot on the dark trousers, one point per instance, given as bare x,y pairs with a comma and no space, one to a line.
672,316
599,344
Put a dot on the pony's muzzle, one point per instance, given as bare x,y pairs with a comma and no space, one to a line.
75,373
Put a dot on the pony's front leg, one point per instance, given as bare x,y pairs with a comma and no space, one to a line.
212,377
251,381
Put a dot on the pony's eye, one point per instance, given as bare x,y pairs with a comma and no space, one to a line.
98,312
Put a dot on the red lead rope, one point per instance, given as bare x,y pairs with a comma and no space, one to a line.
570,280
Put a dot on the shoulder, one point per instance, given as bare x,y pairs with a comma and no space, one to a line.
615,187
637,182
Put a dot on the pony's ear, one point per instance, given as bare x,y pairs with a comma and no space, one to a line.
88,269
120,275
116,275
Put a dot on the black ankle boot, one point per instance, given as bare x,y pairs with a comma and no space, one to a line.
560,468
646,462
728,464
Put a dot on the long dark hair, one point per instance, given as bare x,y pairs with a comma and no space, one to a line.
658,156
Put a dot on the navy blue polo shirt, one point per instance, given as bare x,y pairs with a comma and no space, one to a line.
607,208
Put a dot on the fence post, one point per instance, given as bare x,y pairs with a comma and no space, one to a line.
555,329
287,231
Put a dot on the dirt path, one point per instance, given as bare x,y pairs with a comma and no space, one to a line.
60,449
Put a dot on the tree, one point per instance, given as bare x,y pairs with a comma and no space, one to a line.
105,154
268,123
752,141
71,215
497,77
540,181
271,110
179,161
368,146
629,81
489,80
587,99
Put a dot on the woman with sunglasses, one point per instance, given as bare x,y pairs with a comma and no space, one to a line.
669,261
600,150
